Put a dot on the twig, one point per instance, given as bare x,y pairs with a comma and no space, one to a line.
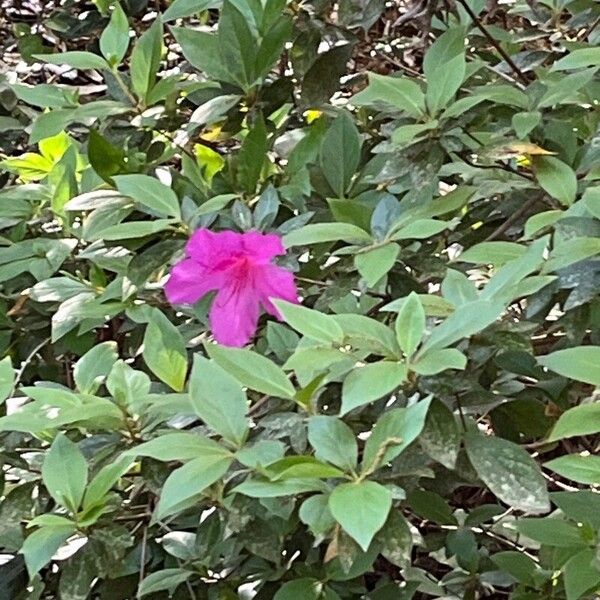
591,28
26,363
501,166
509,61
143,556
461,414
512,219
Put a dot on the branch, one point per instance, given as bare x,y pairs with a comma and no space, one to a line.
509,61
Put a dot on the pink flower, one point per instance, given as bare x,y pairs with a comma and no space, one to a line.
239,267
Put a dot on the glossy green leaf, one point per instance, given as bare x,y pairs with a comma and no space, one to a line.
164,351
371,382
361,509
253,370
509,471
65,472
580,363
219,400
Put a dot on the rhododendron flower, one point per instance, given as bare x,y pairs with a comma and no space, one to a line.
239,267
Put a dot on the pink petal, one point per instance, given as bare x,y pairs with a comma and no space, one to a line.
262,247
210,249
189,281
272,281
234,314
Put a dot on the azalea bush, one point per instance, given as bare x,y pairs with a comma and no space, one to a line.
299,300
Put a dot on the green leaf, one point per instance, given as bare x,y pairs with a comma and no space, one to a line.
165,579
449,45
301,467
458,288
91,369
582,469
581,574
556,178
186,8
419,229
114,40
252,154
431,506
510,473
433,362
311,323
317,233
551,532
164,351
518,565
75,59
582,506
65,472
440,436
580,363
371,382
253,370
410,324
202,50
181,446
46,95
591,198
579,420
374,263
9,124
340,153
525,122
40,546
263,452
571,251
216,203
405,135
306,589
566,88
333,441
103,481
237,44
366,333
150,193
255,488
126,385
466,320
219,400
7,378
434,306
145,59
315,513
443,82
578,59
132,229
394,431
396,540
361,509
185,484
272,45
540,221
322,79
400,93
492,253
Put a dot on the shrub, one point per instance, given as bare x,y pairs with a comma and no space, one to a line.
424,423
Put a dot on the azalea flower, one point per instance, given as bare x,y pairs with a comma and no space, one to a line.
239,267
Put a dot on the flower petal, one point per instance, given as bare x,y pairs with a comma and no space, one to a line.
210,249
189,281
234,314
272,281
262,247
